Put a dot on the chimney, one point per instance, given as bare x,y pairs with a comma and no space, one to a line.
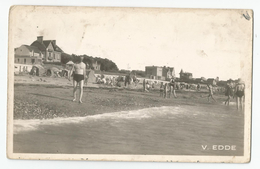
54,42
40,38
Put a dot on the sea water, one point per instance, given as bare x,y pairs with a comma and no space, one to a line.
171,130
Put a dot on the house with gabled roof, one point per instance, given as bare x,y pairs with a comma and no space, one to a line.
50,50
38,52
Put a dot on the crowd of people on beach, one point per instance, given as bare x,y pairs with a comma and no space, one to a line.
118,81
167,89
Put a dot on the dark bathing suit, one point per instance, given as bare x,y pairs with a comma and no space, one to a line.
240,93
78,77
240,90
228,91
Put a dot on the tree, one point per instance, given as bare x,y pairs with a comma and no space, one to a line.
139,73
65,58
105,64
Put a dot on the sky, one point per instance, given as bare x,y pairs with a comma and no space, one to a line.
207,43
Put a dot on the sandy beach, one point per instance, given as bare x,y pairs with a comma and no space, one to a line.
52,97
120,120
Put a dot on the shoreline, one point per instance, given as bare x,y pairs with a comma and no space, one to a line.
33,124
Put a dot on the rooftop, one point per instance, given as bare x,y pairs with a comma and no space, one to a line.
42,46
32,48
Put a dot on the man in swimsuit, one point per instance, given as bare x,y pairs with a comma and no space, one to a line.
78,78
240,93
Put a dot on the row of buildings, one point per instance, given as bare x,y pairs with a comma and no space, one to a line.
165,73
40,51
47,51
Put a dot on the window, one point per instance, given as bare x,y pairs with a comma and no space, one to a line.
24,61
33,61
18,60
54,56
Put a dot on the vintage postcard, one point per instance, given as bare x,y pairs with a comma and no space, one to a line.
129,84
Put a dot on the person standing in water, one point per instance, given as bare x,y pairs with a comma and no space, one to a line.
79,76
240,94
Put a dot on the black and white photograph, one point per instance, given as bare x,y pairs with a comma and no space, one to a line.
130,84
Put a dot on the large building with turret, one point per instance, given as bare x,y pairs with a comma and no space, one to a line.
185,75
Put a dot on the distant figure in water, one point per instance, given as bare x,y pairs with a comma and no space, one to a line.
229,93
240,94
79,76
210,92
